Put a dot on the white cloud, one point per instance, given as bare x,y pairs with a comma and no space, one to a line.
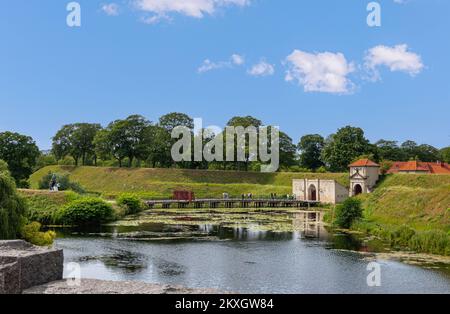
397,59
262,69
111,9
208,65
325,72
237,59
191,8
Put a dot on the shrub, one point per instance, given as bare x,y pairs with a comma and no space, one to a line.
63,181
130,202
4,166
85,211
32,234
12,208
348,212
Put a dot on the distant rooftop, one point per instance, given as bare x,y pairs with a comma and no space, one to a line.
418,166
364,163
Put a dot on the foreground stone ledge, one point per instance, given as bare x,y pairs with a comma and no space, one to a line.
23,265
93,286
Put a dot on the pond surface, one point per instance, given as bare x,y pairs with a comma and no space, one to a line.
245,258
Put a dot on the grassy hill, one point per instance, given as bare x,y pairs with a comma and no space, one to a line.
160,183
419,201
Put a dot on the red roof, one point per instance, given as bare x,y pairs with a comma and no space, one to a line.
417,166
364,163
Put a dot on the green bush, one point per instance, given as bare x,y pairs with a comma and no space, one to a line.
130,202
12,208
348,212
85,211
4,166
63,181
32,234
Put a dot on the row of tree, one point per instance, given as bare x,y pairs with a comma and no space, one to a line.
137,142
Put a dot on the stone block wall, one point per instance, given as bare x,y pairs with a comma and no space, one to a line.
23,266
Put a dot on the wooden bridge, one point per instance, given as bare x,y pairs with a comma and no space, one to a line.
232,203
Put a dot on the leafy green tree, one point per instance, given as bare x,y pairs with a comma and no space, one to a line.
124,139
158,152
12,207
389,150
426,153
445,154
76,140
288,151
344,146
245,122
174,119
20,153
311,147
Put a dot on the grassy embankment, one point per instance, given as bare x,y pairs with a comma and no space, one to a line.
160,183
410,212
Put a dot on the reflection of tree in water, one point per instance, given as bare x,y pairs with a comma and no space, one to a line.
342,241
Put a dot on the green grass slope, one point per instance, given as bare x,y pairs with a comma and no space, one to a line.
419,201
160,183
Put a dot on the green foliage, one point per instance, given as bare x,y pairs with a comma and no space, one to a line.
45,160
76,140
4,167
131,202
63,181
445,155
348,212
21,153
44,205
32,234
124,139
86,211
311,147
12,208
344,146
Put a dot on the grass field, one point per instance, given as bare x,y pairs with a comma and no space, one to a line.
160,183
420,201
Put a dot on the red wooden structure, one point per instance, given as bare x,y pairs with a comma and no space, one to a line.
183,196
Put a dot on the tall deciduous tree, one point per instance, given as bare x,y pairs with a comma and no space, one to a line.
76,140
311,147
124,139
21,154
389,150
445,154
344,146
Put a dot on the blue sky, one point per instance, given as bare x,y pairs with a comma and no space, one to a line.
144,56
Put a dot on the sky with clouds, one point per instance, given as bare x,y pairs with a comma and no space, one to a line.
307,66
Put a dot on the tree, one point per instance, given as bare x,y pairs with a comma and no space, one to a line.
124,139
158,154
445,154
76,140
426,153
348,212
174,119
12,207
245,122
344,146
288,151
21,153
389,150
311,147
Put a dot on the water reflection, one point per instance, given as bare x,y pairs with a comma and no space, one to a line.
307,259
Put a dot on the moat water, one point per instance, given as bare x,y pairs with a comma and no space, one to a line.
243,260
